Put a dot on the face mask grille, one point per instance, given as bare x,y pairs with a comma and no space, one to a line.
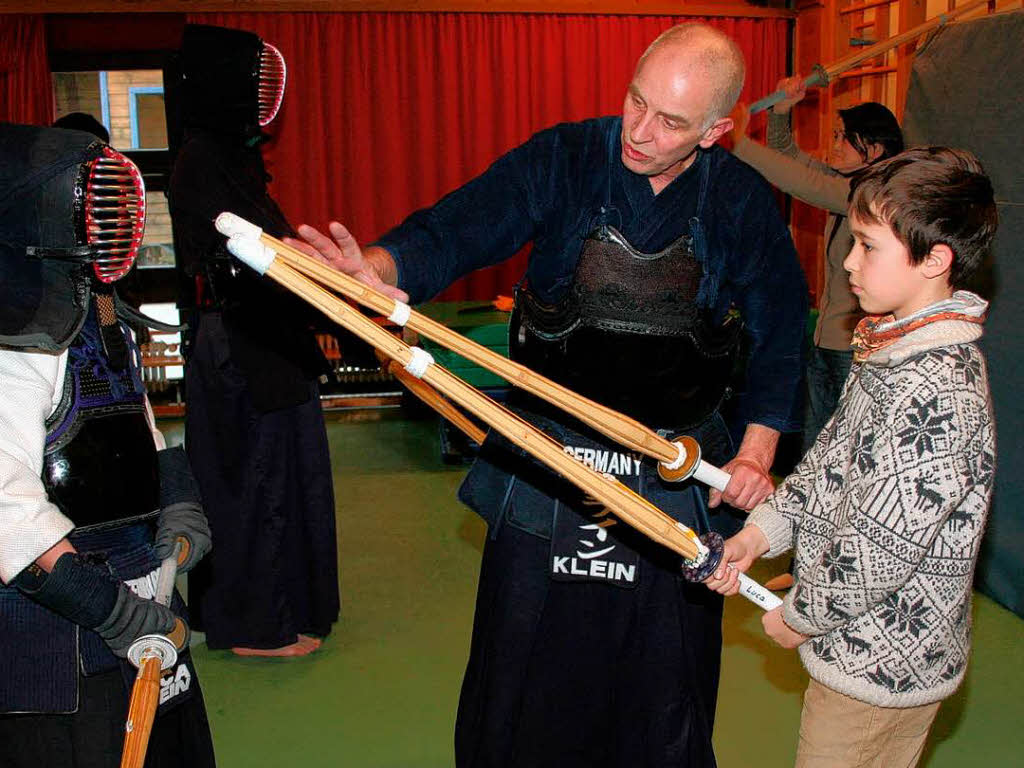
115,213
273,74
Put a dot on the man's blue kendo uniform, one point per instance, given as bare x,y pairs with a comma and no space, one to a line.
589,648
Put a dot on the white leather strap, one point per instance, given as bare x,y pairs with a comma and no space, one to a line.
400,314
419,362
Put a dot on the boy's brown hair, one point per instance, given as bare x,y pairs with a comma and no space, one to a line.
930,196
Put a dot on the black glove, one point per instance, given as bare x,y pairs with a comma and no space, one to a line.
86,594
183,520
181,515
132,617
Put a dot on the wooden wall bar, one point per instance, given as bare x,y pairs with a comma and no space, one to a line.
768,8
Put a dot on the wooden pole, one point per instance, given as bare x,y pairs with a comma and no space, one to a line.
152,654
628,506
431,397
824,75
871,51
608,422
700,559
142,711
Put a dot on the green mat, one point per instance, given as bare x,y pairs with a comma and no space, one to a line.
382,691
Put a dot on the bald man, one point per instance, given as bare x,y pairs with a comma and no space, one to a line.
655,254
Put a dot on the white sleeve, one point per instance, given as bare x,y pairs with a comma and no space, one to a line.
29,523
158,436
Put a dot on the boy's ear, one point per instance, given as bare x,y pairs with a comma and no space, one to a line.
938,262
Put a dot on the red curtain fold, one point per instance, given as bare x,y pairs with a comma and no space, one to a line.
26,88
386,112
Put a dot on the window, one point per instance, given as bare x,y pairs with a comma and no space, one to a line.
130,104
146,117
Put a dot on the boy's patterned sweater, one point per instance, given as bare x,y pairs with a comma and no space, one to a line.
886,514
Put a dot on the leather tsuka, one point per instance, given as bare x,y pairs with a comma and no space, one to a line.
80,591
177,484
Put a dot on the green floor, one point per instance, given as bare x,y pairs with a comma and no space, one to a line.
382,690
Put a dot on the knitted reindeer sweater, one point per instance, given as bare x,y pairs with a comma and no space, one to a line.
886,514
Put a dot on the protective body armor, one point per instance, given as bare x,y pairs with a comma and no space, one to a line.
222,88
223,84
72,213
100,469
100,465
628,333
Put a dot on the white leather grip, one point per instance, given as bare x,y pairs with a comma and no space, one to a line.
757,594
711,475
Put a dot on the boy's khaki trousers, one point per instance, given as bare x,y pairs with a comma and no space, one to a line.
837,731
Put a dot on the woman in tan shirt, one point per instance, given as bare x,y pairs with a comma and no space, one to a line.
866,133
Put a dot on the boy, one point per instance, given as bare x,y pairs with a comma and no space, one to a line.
886,511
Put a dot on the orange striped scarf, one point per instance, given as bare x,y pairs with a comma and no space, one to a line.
876,332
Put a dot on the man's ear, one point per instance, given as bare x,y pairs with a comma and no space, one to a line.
718,129
938,261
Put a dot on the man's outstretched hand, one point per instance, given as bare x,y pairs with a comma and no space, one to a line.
372,266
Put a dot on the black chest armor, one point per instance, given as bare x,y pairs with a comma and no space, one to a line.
629,334
100,465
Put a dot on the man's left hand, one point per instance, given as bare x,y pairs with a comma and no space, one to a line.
751,482
779,631
750,485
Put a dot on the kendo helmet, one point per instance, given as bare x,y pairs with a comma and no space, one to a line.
231,81
72,215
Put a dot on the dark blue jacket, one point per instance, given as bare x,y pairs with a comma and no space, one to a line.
551,191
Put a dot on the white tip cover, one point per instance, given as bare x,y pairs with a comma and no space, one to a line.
230,224
252,252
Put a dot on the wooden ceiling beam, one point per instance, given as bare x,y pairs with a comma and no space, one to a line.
734,8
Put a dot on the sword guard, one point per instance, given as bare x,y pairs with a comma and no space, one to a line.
153,645
684,467
698,572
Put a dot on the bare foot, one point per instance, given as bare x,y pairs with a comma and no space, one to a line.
301,647
315,642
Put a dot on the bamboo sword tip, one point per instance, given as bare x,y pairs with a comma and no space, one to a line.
252,252
231,224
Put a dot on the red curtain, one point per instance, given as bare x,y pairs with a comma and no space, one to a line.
386,112
26,90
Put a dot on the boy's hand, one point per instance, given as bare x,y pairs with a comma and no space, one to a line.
739,553
779,631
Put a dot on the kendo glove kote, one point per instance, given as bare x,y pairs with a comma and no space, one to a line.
183,520
132,617
181,514
86,594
